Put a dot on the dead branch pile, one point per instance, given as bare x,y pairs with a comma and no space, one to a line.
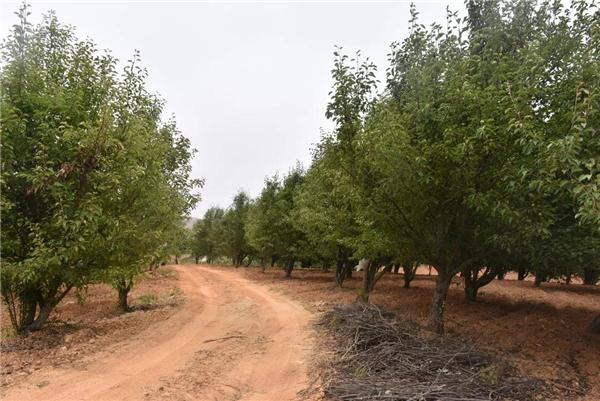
380,358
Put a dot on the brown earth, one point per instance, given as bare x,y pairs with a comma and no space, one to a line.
231,339
541,331
218,333
81,325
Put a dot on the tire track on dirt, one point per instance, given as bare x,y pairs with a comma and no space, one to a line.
232,340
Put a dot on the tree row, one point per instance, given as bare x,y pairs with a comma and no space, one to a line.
479,155
94,185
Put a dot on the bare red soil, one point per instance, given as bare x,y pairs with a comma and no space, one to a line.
231,339
82,327
541,331
225,333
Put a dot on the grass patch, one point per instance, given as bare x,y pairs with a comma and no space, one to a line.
174,292
164,272
146,301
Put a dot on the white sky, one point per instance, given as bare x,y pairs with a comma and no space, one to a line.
248,82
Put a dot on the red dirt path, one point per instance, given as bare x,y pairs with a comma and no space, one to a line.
232,339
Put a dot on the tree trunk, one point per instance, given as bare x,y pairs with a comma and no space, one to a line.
348,268
590,275
123,298
539,279
176,260
473,282
21,306
340,272
197,259
409,273
288,269
42,317
436,311
46,306
521,273
249,261
471,287
501,275
368,277
378,276
29,306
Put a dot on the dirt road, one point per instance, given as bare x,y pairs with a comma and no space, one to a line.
233,339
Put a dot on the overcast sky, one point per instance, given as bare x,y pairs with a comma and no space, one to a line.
248,82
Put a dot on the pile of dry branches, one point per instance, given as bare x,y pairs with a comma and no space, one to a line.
377,357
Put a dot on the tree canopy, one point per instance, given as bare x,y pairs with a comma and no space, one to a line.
478,155
93,181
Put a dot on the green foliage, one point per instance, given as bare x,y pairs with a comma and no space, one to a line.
179,241
482,151
92,181
271,224
263,222
233,234
207,235
146,300
324,209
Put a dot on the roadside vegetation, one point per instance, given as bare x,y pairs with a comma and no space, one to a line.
479,156
95,185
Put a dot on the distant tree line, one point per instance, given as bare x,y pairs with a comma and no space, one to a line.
94,185
479,156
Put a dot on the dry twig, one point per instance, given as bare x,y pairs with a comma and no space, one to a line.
381,358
